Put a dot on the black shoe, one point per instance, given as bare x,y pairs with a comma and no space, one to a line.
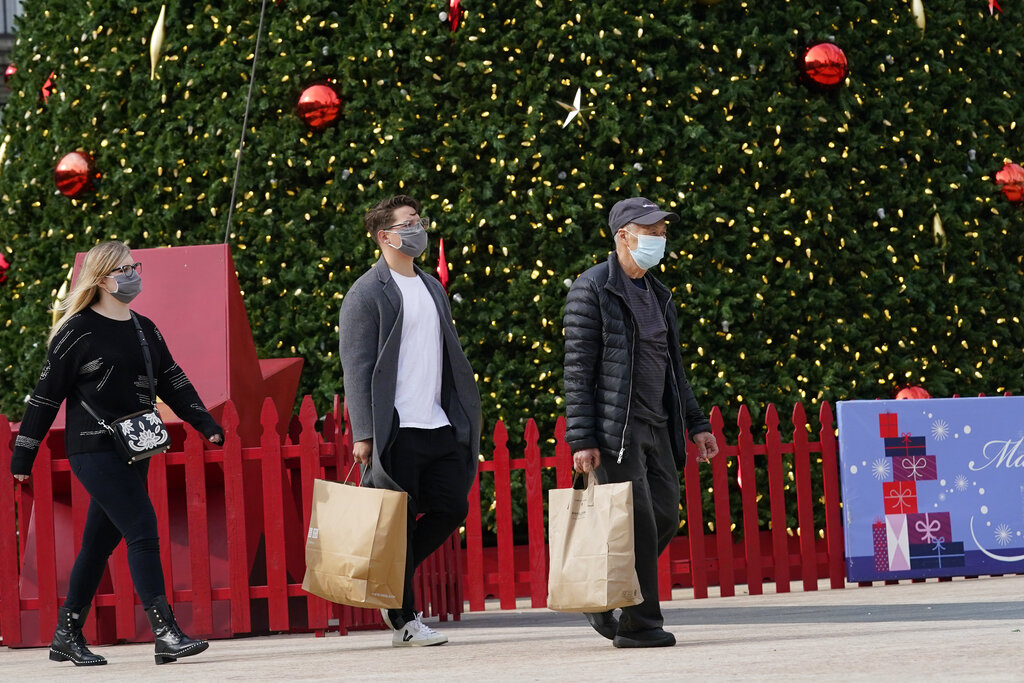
68,642
604,623
655,637
171,642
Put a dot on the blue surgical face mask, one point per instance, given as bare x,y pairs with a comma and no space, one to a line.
650,249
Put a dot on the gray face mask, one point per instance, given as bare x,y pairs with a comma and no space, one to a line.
128,287
414,240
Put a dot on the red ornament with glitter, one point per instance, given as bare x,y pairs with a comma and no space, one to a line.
319,106
4,267
8,72
1011,178
454,14
75,175
824,66
442,266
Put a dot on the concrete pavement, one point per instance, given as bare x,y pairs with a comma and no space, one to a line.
962,630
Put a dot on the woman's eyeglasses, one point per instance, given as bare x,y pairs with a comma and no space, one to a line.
127,270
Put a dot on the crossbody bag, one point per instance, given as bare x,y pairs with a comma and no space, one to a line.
140,435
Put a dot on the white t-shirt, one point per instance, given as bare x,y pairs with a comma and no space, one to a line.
418,391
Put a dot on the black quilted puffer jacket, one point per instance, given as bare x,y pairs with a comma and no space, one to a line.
599,346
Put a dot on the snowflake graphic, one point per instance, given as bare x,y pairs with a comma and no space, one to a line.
880,468
960,482
940,430
942,497
1003,535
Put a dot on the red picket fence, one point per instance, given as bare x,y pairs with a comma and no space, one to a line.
695,559
232,524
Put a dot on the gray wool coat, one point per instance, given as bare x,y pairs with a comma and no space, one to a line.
370,334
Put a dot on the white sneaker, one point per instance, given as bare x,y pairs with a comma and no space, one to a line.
417,634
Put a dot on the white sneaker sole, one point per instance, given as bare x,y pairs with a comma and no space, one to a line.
420,643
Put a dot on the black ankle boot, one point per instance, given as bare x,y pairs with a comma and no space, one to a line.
68,642
171,643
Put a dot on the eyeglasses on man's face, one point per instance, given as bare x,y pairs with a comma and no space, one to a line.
126,270
419,222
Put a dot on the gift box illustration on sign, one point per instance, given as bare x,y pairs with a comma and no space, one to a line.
932,487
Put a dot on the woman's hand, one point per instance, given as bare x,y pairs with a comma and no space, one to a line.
21,477
216,439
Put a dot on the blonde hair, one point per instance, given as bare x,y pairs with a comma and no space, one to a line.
99,261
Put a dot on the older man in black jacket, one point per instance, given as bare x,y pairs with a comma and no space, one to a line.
628,403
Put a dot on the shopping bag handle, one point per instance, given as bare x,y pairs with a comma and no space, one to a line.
588,488
349,475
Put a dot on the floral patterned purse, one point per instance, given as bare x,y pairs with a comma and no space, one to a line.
140,435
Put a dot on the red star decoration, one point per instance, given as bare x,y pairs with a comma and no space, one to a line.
49,87
994,5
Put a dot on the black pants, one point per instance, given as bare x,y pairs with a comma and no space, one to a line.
426,464
648,463
119,508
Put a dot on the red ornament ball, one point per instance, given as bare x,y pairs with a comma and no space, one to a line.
319,106
1011,178
912,392
75,174
8,72
824,65
4,267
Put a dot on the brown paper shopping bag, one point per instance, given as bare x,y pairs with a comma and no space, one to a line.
590,535
355,548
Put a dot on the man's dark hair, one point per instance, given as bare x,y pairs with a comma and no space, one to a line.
379,216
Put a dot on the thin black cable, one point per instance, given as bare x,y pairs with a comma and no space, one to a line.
245,122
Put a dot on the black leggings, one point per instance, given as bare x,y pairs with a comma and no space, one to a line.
119,508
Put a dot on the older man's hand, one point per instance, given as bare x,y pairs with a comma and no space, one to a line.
587,460
707,446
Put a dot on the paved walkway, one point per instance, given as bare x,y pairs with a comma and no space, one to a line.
963,630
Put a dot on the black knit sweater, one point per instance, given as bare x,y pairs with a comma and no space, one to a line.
101,359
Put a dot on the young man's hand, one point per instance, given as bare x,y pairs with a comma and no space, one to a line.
362,451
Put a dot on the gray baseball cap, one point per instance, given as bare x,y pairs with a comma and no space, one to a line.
638,210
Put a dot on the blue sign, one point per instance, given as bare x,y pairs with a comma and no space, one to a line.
932,487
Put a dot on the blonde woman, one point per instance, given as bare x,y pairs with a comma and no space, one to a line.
95,355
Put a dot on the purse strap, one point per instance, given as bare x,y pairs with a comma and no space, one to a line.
149,373
147,358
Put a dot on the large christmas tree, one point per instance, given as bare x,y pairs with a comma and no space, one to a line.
834,244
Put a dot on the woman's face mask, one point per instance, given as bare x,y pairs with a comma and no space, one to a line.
128,284
413,238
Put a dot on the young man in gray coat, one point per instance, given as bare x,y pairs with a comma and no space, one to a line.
413,403
628,404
